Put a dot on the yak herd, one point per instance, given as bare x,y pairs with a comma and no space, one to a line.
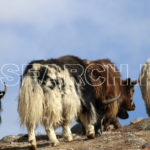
55,92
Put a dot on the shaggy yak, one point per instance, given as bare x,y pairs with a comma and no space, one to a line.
55,92
144,81
2,93
107,83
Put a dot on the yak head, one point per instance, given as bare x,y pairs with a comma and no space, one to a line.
127,91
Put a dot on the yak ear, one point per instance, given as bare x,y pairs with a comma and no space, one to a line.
126,81
134,82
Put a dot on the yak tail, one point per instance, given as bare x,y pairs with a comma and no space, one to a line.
30,102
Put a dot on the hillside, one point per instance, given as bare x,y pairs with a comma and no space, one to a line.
134,136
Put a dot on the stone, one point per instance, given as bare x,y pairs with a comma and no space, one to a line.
146,146
136,120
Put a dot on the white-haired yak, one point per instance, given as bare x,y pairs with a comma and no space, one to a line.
54,93
144,81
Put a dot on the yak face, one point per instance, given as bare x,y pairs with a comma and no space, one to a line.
127,94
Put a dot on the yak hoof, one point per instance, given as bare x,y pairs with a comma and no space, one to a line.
91,136
33,145
56,143
69,138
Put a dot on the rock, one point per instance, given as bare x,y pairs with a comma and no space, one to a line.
135,140
136,120
148,127
146,146
10,138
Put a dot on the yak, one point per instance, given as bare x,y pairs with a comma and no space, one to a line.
107,82
54,93
144,81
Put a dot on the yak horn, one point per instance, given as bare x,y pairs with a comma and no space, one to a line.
5,87
111,100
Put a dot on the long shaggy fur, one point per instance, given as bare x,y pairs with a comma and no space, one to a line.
107,86
40,104
144,81
30,102
54,96
107,83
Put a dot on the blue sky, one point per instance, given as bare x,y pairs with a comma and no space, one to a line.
91,29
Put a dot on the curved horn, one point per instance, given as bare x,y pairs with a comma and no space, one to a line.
111,100
5,87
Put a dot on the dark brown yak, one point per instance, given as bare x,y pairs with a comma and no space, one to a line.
107,82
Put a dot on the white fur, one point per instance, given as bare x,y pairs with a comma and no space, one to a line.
144,81
30,102
40,104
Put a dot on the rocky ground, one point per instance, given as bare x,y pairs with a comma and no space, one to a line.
135,136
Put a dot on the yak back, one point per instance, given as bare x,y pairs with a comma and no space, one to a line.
76,69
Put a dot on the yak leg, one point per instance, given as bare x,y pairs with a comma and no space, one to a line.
52,136
31,136
67,132
99,126
116,123
107,125
113,121
90,132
